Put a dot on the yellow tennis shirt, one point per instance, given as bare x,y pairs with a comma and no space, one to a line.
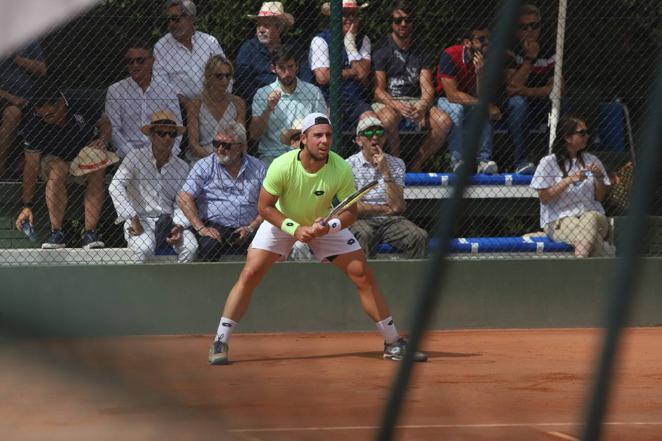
304,196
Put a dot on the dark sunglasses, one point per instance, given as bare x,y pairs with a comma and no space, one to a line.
174,18
372,132
483,39
529,26
223,145
583,132
164,133
136,60
400,20
221,76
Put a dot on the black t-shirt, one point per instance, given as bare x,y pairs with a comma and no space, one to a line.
402,67
542,68
83,114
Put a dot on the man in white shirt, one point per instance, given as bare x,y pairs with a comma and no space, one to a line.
356,63
132,101
181,54
277,105
144,191
380,211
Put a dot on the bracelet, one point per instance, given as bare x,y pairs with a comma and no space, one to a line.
250,229
197,230
389,180
334,225
289,226
27,205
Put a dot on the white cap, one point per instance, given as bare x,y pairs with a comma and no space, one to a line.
368,122
314,119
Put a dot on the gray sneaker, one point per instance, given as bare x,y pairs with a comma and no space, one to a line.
526,168
396,351
455,167
218,353
488,168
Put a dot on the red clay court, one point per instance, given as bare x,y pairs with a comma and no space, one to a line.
477,385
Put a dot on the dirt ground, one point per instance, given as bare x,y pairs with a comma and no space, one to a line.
477,385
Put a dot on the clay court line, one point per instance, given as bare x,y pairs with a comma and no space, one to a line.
438,426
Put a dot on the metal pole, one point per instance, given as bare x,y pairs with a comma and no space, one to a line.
555,96
625,280
429,291
335,80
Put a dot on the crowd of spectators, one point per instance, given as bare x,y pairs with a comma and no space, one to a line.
184,120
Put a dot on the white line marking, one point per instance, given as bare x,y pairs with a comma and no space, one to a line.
561,435
440,426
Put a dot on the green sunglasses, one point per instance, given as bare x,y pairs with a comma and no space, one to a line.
370,133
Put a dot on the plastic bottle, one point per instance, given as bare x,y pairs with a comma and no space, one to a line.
29,231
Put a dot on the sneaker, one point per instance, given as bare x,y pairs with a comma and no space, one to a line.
91,240
455,167
396,351
488,168
218,353
525,168
54,240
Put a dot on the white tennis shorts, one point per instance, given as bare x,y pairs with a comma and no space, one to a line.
272,239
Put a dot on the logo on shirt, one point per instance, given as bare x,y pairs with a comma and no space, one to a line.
351,242
318,192
80,120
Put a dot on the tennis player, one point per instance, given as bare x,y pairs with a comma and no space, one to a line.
296,194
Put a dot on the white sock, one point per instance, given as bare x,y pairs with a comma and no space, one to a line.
388,330
225,328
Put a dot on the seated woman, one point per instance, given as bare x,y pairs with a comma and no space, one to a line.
571,185
212,108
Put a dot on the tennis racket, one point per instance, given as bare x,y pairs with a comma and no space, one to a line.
349,201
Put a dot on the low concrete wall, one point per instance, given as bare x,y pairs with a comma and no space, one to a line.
187,299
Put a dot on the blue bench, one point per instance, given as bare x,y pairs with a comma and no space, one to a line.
477,245
439,186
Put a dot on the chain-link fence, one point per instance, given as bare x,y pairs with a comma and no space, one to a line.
143,131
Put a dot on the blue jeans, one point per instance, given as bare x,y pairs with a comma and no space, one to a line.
458,114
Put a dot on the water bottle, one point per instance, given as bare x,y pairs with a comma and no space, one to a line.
29,231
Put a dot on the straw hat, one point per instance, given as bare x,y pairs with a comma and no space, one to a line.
91,159
274,9
287,134
346,4
163,119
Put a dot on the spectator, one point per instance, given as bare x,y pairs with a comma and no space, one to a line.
60,126
459,67
571,185
356,61
132,101
404,86
254,59
19,72
144,192
277,105
529,81
292,136
219,197
380,211
181,54
214,107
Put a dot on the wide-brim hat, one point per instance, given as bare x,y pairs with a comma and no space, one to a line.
346,4
91,159
274,9
287,134
163,119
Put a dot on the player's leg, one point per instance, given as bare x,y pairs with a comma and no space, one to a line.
269,245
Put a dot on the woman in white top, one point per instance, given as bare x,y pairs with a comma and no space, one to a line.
571,185
212,108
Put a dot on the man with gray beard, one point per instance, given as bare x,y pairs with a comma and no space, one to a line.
219,197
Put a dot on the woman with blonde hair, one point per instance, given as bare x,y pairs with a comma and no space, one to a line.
215,106
571,185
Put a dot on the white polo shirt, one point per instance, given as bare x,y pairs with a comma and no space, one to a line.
319,57
181,67
130,108
139,188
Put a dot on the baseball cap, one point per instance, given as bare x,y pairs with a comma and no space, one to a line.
314,119
368,122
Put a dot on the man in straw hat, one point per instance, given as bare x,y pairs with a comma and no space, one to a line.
60,125
253,64
356,61
297,192
144,192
